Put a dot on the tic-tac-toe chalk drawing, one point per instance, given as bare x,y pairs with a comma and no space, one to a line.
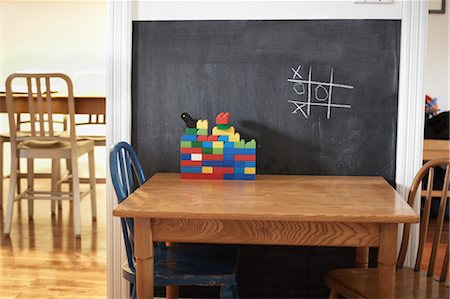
314,93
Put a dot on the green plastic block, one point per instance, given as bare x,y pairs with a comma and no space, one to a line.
186,144
202,132
191,131
196,144
223,127
239,144
217,151
251,144
206,150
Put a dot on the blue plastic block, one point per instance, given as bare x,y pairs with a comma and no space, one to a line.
186,157
244,177
229,151
207,144
245,151
189,138
249,164
228,163
238,170
223,138
228,157
212,163
191,169
227,176
228,145
240,164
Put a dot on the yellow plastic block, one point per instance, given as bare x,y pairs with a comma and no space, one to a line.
217,144
207,169
202,124
234,138
249,170
217,132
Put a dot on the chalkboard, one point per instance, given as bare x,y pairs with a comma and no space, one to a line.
319,96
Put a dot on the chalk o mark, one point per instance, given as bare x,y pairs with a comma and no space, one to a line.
319,90
302,88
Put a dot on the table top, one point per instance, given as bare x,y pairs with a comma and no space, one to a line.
269,198
84,104
434,149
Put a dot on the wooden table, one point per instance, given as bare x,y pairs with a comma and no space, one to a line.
273,210
83,104
434,148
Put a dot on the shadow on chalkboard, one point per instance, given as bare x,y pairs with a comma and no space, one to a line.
273,144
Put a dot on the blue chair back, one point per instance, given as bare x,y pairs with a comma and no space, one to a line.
127,176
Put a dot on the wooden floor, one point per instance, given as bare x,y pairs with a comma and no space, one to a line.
43,259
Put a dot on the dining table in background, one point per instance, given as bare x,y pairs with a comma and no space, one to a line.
349,211
84,104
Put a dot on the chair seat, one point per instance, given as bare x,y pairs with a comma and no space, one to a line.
98,140
363,283
192,264
47,149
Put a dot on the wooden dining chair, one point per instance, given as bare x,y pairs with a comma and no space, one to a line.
410,282
177,265
45,142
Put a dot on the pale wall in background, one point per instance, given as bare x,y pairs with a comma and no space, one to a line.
66,36
438,63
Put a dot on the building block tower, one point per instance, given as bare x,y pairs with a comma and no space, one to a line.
222,155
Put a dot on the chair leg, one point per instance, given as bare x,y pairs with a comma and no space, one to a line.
58,186
55,177
172,292
19,188
76,197
1,171
229,291
30,183
133,292
333,294
11,195
92,185
69,169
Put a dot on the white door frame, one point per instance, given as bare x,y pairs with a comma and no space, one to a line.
409,128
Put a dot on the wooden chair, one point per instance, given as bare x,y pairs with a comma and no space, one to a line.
44,142
21,132
410,282
180,264
84,80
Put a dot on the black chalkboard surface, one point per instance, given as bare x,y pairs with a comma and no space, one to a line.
319,96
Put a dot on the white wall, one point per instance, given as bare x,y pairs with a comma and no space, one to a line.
301,9
438,63
66,36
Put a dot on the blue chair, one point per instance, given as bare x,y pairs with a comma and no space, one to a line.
177,265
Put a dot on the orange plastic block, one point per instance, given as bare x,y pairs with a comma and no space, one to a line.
223,118
194,150
213,138
202,138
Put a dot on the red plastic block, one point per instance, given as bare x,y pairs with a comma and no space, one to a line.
191,163
223,118
223,170
245,157
213,157
194,150
213,138
202,176
202,138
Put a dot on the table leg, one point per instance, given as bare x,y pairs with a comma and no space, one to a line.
386,260
362,257
143,249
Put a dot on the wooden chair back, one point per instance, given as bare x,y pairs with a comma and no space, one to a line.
42,120
428,168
